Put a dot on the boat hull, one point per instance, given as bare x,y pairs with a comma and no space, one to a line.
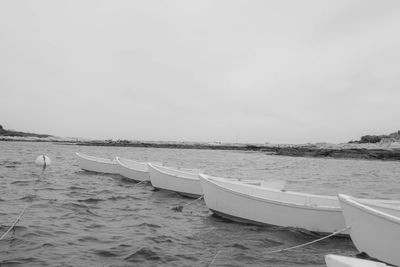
373,232
184,183
93,164
248,208
342,261
133,170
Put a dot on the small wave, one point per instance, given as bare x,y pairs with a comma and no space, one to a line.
10,164
143,254
124,246
86,173
105,253
186,257
29,198
103,192
46,245
91,200
246,257
115,198
59,232
161,239
76,188
128,181
265,242
22,261
239,246
95,214
52,188
88,239
30,235
43,245
148,225
74,206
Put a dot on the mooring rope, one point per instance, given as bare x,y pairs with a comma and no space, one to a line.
141,182
16,221
286,249
309,243
179,208
212,261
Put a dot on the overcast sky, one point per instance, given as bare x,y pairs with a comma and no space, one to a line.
246,71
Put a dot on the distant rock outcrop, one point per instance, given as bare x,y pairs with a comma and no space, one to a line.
4,132
393,137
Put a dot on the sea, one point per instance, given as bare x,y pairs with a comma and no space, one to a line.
78,218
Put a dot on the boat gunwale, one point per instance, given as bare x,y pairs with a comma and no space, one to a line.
117,159
371,211
95,159
268,200
157,168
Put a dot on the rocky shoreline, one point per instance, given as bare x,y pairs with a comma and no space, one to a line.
376,151
353,151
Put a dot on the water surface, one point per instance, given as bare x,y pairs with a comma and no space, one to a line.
78,218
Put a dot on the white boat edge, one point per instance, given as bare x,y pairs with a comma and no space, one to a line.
177,180
139,172
332,260
96,164
373,230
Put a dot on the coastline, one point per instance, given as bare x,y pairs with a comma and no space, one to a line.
377,151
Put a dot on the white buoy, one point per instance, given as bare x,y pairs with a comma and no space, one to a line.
43,161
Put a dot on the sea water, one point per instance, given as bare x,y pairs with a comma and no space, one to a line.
79,218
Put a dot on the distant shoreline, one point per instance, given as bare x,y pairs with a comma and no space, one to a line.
309,150
386,151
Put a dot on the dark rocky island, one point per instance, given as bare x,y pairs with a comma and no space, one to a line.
381,147
12,133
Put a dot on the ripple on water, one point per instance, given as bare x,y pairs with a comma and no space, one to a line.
23,261
162,239
105,253
91,200
76,188
142,255
116,198
22,182
151,225
239,246
29,198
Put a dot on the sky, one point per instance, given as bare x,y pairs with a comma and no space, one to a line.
208,71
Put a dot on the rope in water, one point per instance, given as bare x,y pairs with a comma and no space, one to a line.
211,263
298,246
26,206
141,182
15,223
180,207
191,202
309,243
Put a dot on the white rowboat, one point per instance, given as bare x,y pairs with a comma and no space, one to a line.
342,261
131,169
184,182
262,205
374,231
94,164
